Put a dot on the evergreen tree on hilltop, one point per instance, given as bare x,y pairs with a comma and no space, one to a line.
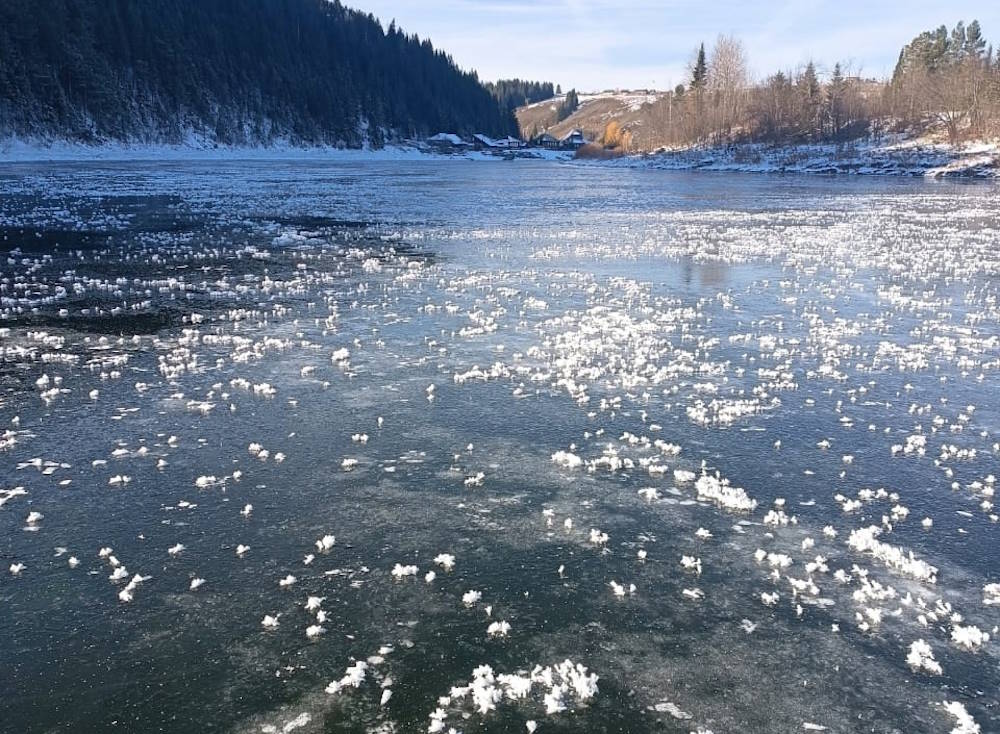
513,93
569,105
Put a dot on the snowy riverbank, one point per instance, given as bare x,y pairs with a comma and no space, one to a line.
40,151
899,158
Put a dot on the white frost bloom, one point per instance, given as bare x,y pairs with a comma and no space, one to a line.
471,597
964,723
921,657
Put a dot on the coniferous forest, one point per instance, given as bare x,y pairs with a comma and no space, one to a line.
514,93
241,72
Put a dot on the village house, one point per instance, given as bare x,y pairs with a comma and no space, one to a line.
547,141
511,143
448,143
573,140
484,142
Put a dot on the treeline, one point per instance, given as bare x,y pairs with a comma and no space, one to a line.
513,93
944,80
950,78
234,71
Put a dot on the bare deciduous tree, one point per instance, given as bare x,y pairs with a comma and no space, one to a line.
728,79
944,81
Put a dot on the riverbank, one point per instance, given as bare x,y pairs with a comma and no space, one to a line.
194,149
898,158
980,160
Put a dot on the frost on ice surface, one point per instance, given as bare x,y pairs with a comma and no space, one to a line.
488,406
865,540
353,677
499,628
471,597
969,637
922,657
400,571
991,595
964,723
721,492
567,460
543,690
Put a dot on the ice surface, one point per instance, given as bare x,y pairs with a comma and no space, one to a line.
685,439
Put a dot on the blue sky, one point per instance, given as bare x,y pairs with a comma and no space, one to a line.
600,44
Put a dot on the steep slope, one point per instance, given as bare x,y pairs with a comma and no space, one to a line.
241,72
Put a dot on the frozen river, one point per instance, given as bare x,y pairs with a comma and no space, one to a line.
496,447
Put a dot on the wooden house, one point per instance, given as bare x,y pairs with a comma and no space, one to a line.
547,141
573,140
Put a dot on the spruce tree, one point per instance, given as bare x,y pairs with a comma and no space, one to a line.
956,46
809,92
834,100
699,75
900,70
569,105
975,44
939,48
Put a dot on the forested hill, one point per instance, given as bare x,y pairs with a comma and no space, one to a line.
241,72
